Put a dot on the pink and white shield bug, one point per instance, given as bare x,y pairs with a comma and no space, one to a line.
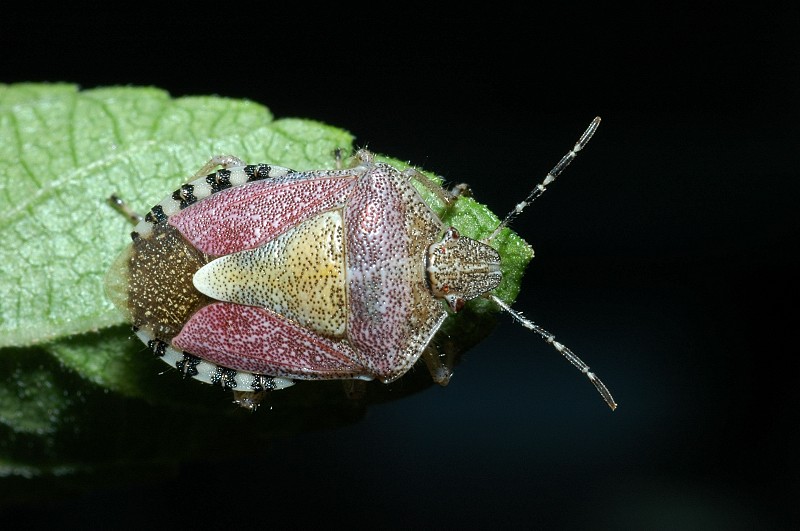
256,275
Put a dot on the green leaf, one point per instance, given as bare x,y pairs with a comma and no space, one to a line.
65,352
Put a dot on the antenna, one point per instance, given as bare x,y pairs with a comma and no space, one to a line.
549,178
567,353
547,336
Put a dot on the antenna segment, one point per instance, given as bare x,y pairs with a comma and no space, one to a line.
550,177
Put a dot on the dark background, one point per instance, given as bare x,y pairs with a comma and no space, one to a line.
666,258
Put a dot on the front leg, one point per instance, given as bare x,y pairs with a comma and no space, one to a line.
447,197
439,365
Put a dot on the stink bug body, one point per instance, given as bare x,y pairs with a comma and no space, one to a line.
255,275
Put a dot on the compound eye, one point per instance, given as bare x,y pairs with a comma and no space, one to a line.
456,303
452,234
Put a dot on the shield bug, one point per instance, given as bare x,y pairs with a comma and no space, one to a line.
253,276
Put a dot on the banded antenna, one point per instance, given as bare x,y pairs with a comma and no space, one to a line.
537,191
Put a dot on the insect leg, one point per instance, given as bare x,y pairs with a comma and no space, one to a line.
124,209
447,198
439,366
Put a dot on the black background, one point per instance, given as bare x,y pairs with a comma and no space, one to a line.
666,258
